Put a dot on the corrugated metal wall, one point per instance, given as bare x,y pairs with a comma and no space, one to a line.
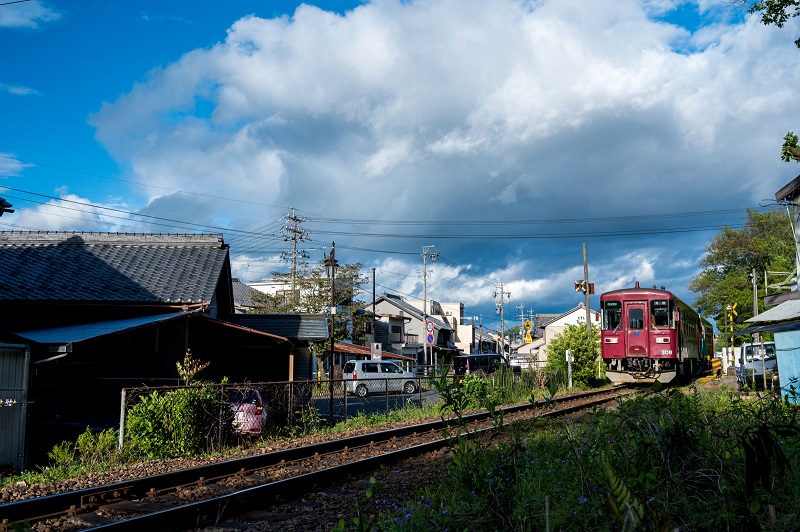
14,363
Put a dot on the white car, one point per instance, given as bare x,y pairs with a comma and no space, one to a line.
362,377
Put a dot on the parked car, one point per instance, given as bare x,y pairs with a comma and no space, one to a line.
362,377
483,364
249,414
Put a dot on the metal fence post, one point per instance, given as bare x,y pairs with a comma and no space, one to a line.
220,415
122,418
291,404
344,392
386,387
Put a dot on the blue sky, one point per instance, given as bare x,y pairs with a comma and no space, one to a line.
504,133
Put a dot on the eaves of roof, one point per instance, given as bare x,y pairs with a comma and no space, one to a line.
360,350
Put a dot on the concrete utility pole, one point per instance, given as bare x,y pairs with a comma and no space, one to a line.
425,254
294,233
586,292
502,319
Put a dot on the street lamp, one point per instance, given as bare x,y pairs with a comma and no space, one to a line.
330,265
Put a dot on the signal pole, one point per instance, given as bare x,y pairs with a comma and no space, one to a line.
587,291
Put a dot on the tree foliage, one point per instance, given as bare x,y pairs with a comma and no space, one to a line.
583,344
764,243
777,12
313,296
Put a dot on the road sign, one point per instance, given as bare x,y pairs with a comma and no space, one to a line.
430,338
527,324
429,326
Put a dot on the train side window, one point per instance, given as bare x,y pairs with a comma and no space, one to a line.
636,316
660,314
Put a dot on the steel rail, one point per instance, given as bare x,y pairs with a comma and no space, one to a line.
70,503
210,511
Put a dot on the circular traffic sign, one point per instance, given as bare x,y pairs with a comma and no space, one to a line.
430,338
429,326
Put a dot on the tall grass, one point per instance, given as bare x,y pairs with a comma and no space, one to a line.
669,460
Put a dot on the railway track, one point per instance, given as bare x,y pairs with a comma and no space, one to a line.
202,495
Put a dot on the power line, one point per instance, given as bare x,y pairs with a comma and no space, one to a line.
474,222
138,183
14,2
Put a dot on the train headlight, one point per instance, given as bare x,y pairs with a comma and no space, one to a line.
611,340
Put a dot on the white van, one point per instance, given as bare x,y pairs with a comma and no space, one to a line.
753,367
362,377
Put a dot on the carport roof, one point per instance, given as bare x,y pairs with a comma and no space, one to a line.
71,334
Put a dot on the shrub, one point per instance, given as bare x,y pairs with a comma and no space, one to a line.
180,422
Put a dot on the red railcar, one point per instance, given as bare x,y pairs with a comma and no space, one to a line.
650,335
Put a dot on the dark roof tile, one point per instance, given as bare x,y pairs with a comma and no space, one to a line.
110,267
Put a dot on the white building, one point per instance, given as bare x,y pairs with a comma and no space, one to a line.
537,350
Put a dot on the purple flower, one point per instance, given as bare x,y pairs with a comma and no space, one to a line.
582,500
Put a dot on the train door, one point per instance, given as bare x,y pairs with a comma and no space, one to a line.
636,333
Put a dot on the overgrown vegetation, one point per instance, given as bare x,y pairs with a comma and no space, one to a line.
668,460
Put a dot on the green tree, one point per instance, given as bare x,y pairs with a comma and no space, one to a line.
313,296
583,344
764,243
777,12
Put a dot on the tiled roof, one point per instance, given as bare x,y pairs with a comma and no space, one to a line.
293,326
110,267
244,295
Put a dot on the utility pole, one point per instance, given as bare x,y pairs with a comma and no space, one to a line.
502,318
425,254
294,233
373,306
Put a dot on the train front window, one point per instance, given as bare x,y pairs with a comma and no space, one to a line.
636,316
660,314
612,315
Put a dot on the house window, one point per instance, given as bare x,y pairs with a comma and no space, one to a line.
397,329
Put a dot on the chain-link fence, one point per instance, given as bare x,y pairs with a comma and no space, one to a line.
227,412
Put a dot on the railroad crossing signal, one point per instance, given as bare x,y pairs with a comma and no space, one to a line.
582,286
732,314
